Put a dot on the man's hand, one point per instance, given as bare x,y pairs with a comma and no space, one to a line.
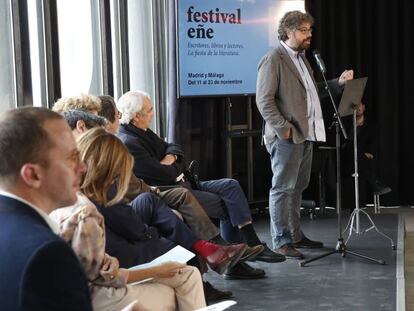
155,190
345,76
288,134
168,159
370,156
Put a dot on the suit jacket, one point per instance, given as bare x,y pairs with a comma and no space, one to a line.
39,271
281,95
148,149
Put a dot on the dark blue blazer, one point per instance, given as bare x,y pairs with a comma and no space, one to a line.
38,270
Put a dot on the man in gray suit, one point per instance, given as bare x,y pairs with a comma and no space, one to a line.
287,98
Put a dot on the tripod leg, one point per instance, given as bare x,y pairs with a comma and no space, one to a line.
379,232
351,227
379,261
303,263
349,221
386,236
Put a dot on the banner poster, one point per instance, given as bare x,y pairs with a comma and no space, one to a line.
220,43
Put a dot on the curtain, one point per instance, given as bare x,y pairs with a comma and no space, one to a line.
375,38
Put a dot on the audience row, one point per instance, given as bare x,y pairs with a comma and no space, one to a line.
118,196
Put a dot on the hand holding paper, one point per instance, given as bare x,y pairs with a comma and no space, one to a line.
168,269
178,254
166,265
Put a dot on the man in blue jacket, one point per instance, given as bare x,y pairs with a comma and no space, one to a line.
40,171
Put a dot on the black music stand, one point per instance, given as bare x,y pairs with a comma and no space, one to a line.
349,106
351,97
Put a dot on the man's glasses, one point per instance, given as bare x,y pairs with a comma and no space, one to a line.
305,31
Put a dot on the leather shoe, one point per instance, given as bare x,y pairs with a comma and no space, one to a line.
243,271
225,257
191,174
306,243
289,252
251,253
213,294
235,253
267,255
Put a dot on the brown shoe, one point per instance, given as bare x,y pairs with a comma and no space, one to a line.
225,257
251,253
235,252
289,252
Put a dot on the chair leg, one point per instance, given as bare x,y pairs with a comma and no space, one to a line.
377,205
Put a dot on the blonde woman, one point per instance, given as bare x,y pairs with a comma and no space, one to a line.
174,284
133,229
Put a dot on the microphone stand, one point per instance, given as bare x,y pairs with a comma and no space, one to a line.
340,245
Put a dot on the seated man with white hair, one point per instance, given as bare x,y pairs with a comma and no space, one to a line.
161,163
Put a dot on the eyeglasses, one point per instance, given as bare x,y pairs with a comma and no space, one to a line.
119,115
305,31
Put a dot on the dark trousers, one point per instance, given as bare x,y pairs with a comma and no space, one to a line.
225,199
182,200
155,213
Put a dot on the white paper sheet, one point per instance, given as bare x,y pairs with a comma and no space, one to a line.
219,306
177,254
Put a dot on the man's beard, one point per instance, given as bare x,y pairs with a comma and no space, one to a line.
305,45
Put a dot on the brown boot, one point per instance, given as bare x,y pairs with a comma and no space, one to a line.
289,251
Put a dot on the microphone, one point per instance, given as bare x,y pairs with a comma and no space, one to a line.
319,61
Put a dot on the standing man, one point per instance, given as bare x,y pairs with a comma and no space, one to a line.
40,171
287,98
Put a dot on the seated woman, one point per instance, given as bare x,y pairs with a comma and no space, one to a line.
173,283
177,198
105,184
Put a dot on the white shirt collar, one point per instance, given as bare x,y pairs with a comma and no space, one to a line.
290,51
52,224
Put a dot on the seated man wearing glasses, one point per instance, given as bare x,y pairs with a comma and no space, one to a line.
161,163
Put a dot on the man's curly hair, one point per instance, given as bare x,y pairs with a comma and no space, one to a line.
83,102
291,21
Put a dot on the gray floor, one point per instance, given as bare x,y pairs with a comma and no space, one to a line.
331,283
